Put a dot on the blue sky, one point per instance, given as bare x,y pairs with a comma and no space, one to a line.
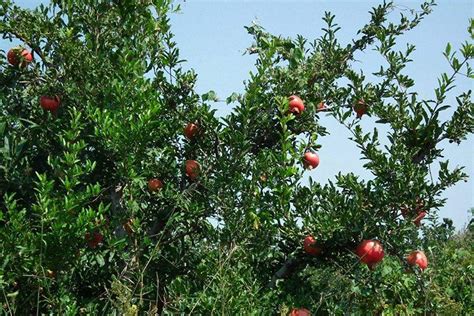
212,38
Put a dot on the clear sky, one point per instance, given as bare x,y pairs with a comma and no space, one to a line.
212,38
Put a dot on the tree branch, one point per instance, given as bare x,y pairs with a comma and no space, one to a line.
287,267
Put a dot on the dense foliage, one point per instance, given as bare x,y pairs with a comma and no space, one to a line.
109,205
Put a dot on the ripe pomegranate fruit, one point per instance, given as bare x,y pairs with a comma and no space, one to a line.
310,247
296,105
418,258
12,57
310,160
360,108
50,103
192,169
370,252
191,130
19,56
300,312
154,185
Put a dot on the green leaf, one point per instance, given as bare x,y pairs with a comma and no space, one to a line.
210,96
232,98
100,260
447,50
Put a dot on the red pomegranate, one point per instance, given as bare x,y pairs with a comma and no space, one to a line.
360,108
296,105
310,160
310,247
19,56
191,130
300,312
50,103
418,258
192,169
370,252
154,185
